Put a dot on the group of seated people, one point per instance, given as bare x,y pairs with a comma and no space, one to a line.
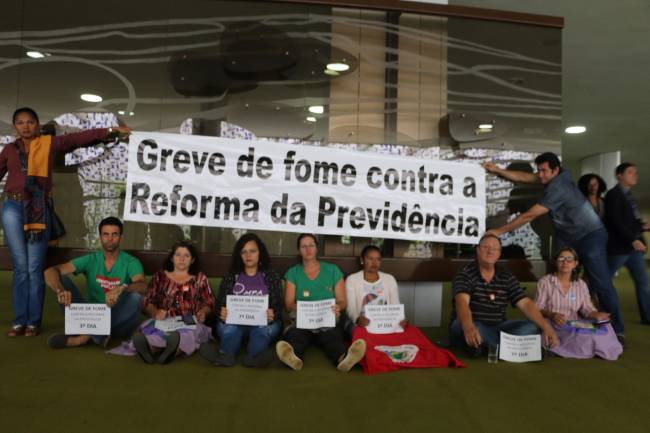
482,291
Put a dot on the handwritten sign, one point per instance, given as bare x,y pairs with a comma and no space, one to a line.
316,314
247,310
87,319
520,348
384,319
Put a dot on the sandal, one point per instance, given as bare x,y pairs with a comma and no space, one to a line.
16,330
31,331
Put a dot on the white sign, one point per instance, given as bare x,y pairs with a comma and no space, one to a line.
247,310
384,319
87,319
524,348
315,314
175,323
219,182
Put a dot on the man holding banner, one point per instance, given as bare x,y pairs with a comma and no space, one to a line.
576,225
482,291
113,277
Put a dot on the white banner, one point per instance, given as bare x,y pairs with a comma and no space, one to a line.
525,348
87,319
247,310
315,314
384,319
218,182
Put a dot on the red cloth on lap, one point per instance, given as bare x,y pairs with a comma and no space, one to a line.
408,349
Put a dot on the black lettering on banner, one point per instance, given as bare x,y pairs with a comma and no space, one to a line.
140,194
469,190
251,210
279,210
182,157
326,207
298,214
216,164
151,160
228,206
159,204
245,163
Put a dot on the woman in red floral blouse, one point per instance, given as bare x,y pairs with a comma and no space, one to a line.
177,301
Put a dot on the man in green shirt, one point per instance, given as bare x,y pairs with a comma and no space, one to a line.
113,277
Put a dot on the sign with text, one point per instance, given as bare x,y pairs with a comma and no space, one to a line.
219,182
315,314
175,323
384,319
247,310
87,319
520,348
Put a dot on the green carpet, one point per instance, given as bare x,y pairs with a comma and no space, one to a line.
85,390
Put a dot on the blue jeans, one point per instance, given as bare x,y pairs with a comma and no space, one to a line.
259,337
28,258
592,253
635,263
125,314
491,333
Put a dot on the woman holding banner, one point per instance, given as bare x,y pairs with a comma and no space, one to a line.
563,298
27,212
178,300
249,275
314,280
406,347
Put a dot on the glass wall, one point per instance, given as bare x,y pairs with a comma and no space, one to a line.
399,83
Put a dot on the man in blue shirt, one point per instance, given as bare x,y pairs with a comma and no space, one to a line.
576,225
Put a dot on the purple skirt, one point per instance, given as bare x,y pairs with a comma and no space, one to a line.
584,344
190,340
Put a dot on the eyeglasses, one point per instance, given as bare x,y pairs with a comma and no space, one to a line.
567,259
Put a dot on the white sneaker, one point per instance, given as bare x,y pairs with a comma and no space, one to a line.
287,355
356,352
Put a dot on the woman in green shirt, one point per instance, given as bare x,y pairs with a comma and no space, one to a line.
314,280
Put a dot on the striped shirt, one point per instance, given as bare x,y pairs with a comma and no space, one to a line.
488,301
550,296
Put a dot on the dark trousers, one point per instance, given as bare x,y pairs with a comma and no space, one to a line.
330,341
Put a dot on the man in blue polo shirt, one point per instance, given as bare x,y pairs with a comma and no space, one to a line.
113,277
576,225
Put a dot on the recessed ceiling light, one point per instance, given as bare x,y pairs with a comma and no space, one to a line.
485,126
131,113
121,112
316,109
310,119
338,67
331,72
89,97
35,54
577,129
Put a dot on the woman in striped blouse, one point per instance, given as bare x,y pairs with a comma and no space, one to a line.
564,301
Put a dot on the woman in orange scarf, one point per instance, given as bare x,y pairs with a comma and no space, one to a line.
28,164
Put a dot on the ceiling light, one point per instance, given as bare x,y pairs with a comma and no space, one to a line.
487,126
338,67
331,72
310,119
316,109
121,112
35,54
89,97
577,129
131,113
